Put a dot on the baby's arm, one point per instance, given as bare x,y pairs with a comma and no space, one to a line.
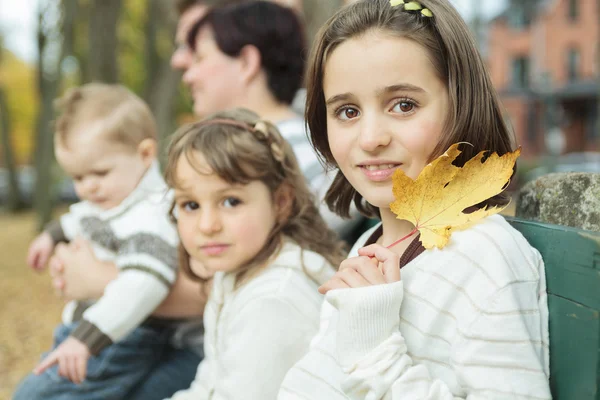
79,275
43,245
147,263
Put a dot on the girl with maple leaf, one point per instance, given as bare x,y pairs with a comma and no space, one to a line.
392,86
246,215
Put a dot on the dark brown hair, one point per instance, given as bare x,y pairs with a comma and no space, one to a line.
239,152
183,5
275,31
474,115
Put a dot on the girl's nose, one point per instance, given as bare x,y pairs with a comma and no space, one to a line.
209,222
374,133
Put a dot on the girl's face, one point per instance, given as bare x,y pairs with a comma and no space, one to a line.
221,225
386,109
214,78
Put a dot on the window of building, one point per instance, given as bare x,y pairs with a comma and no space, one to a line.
518,18
520,72
573,62
573,9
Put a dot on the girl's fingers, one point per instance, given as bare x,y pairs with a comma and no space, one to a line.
353,278
390,261
333,283
71,370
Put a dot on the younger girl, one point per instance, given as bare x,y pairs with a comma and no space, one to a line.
244,213
392,84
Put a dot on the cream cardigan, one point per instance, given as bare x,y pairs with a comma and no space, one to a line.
254,334
469,321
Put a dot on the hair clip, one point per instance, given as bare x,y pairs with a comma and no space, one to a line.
412,6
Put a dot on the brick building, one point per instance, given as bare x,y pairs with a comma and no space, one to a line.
543,59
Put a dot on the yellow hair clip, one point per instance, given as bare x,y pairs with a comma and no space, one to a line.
412,6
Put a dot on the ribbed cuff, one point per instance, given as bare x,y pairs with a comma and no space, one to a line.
367,317
55,230
92,337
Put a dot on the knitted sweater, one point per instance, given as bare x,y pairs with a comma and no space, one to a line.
255,333
140,239
469,321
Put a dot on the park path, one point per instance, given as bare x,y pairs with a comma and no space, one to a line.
29,310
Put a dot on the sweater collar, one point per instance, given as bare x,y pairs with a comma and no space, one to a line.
152,182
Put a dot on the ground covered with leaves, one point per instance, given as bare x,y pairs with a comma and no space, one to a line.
29,310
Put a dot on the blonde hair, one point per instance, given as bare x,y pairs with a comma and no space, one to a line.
123,116
240,148
474,114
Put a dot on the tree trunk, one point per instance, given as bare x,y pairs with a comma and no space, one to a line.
316,13
13,201
49,81
104,40
162,81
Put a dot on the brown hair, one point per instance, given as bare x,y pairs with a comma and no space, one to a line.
240,148
183,5
474,115
124,117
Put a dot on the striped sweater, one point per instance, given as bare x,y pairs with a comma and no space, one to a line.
140,239
469,321
255,333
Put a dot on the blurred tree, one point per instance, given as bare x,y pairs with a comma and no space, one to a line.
55,40
161,84
104,16
13,201
316,13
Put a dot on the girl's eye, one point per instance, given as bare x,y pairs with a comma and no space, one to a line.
101,173
189,206
404,106
347,113
231,202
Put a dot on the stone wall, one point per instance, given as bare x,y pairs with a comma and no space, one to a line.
571,199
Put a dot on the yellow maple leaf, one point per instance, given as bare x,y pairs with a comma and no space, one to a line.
435,201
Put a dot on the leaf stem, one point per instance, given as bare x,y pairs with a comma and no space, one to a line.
404,238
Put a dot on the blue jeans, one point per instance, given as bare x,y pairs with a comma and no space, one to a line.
110,375
175,371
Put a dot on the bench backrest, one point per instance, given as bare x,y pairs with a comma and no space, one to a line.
572,260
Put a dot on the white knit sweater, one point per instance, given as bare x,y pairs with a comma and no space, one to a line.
255,333
469,321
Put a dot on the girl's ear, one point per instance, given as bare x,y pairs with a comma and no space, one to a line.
251,62
284,202
147,150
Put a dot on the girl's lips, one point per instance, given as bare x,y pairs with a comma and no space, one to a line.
214,249
379,173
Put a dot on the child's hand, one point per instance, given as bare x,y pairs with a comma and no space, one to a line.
71,356
40,251
76,272
375,265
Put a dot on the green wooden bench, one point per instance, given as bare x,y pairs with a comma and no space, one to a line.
572,259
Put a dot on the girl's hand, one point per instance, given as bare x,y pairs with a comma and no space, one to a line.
375,265
39,251
76,272
71,356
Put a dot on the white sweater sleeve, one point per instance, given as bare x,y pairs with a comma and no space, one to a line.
498,356
261,343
